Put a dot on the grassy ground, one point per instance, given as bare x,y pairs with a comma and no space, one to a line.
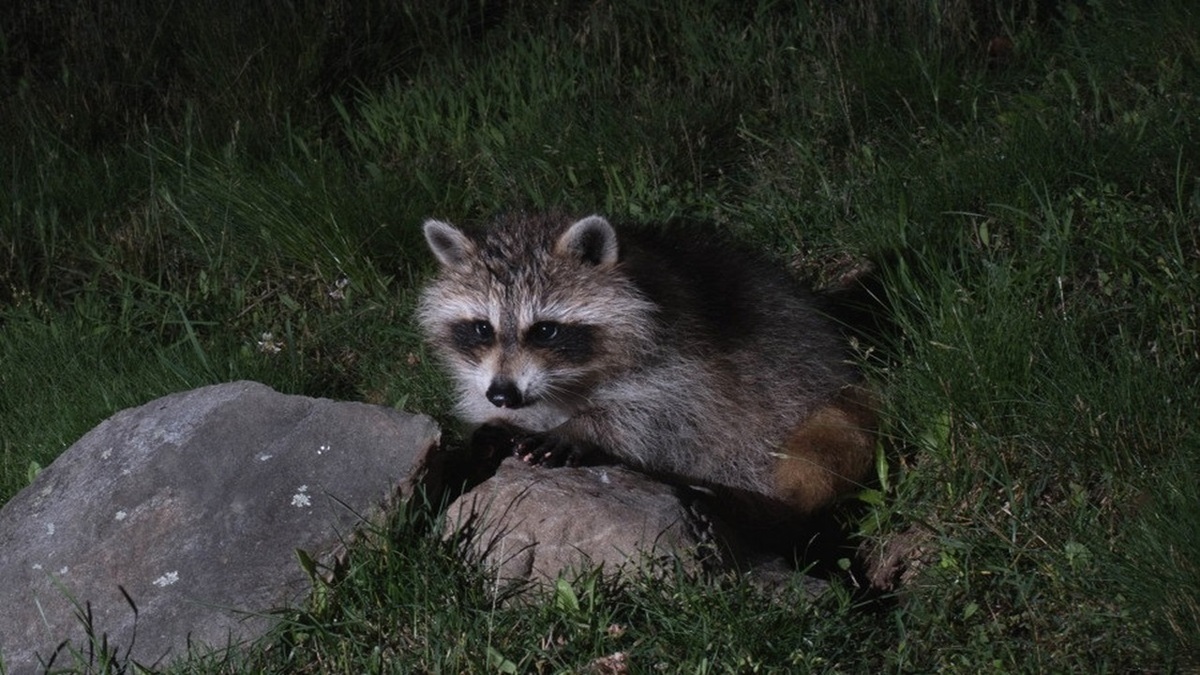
196,194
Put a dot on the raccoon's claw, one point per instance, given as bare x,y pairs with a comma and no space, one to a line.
548,451
492,441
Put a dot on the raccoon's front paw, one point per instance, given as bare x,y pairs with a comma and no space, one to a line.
494,441
549,450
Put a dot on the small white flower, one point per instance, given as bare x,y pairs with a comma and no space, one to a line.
121,515
267,343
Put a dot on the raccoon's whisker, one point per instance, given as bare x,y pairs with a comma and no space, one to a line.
563,395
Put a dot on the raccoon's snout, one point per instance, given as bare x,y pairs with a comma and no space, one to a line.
505,394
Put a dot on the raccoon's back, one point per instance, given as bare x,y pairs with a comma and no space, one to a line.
782,427
722,302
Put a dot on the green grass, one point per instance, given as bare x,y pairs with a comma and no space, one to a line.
412,605
1034,216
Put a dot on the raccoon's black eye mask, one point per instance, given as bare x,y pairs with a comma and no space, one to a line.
471,335
574,343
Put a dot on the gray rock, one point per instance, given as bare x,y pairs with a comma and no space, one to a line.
193,506
533,523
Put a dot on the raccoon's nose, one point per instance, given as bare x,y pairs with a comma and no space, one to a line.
504,394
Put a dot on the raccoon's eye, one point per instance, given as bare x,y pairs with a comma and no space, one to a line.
470,335
483,330
544,333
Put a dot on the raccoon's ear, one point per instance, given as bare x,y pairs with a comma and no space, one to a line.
450,246
592,240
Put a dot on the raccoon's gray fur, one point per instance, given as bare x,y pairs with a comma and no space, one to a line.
672,353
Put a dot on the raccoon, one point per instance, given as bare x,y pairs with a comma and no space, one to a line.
670,352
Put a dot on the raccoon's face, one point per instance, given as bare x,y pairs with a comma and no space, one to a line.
531,317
